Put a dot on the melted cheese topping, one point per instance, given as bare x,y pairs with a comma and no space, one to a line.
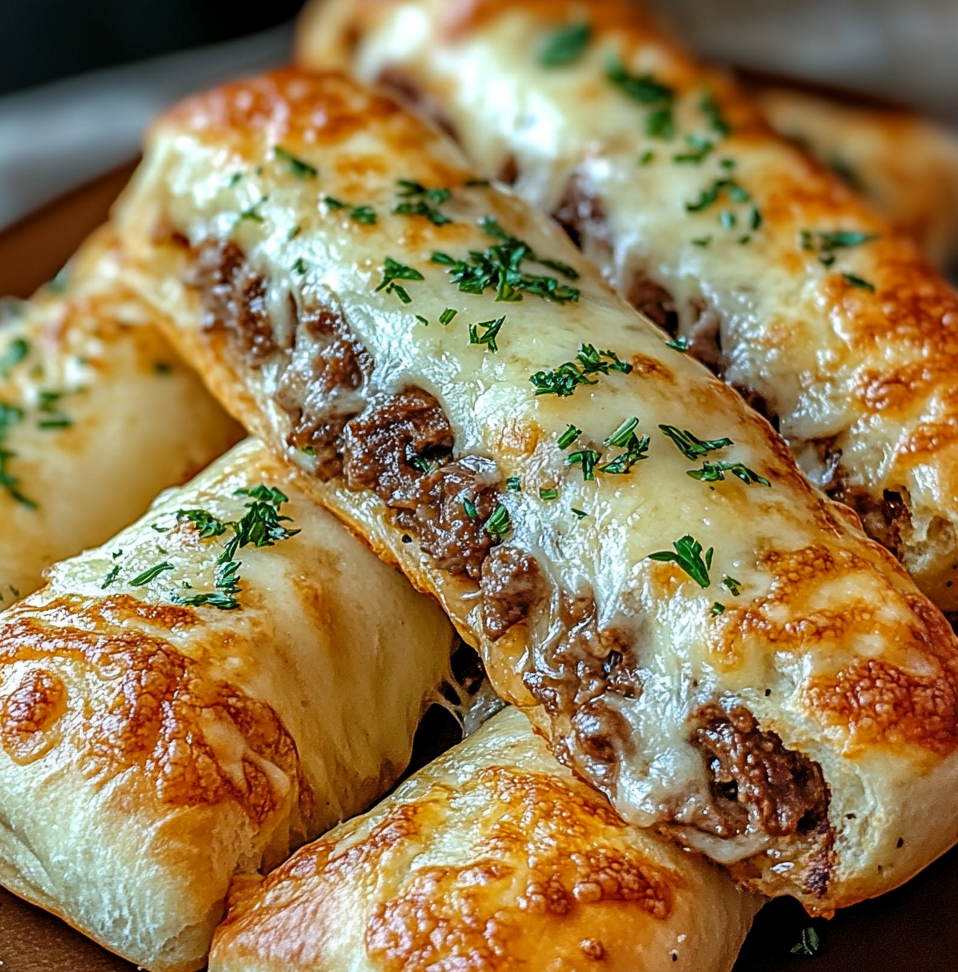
819,603
97,415
151,750
855,358
495,856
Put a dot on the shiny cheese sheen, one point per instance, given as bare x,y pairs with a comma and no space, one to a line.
101,415
151,751
819,604
862,383
516,863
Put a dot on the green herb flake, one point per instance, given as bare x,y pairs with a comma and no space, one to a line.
499,524
162,368
755,218
709,107
55,422
548,493
564,380
587,459
417,199
565,45
710,194
252,213
333,203
809,944
717,609
859,282
234,179
579,514
393,271
151,573
300,266
713,472
447,315
646,157
15,353
514,484
568,437
470,508
363,214
296,165
690,445
702,241
688,556
680,344
488,336
636,449
422,320
294,232
205,523
698,151
111,576
730,584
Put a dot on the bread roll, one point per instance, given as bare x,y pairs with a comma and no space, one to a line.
702,635
493,857
766,263
171,717
97,415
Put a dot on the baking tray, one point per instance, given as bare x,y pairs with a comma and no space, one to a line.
914,928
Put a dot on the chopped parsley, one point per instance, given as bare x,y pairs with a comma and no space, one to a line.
587,459
579,514
252,214
447,315
393,271
699,149
646,157
499,524
150,574
488,336
717,609
363,214
681,344
856,281
564,380
728,219
733,586
644,89
825,242
162,368
300,266
709,107
470,508
548,493
206,524
713,472
111,576
710,194
688,556
809,944
297,166
690,445
50,417
514,484
15,353
420,201
500,267
568,437
10,415
333,203
698,241
636,449
565,45
755,218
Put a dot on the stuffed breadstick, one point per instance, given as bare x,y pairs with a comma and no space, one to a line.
700,633
97,415
493,854
764,262
227,678
904,165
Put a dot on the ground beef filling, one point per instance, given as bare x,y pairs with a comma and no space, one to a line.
399,446
749,767
512,585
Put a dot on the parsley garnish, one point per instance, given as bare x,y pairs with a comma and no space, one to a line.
500,267
15,353
514,484
11,415
717,609
711,193
825,242
363,214
713,113
713,472
647,91
499,524
690,445
418,199
162,368
252,213
733,586
150,573
333,203
568,437
636,449
565,45
681,344
646,157
858,282
111,576
297,166
564,380
488,336
586,458
808,944
548,493
300,266
579,514
698,150
470,508
393,271
205,522
447,315
688,556
698,241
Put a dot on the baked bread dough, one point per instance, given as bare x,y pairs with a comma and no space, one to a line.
494,853
779,277
152,748
97,415
701,634
904,165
